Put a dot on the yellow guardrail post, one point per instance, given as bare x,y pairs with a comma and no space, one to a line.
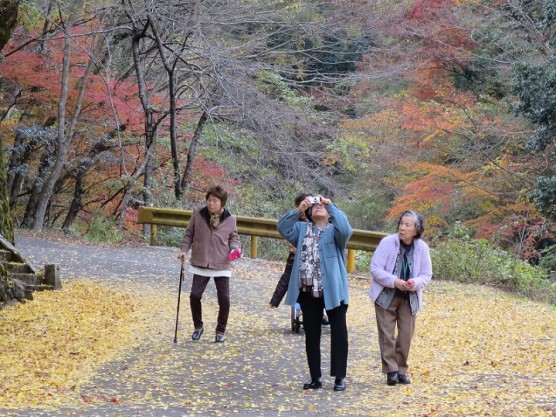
153,234
254,247
351,260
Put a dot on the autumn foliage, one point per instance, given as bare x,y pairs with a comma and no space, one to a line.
427,122
452,149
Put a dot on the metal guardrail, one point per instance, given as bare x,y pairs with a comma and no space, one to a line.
364,240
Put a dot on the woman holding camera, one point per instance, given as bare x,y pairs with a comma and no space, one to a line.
319,280
401,267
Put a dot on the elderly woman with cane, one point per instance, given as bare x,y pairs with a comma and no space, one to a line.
319,280
212,236
401,267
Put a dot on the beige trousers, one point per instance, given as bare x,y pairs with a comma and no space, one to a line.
394,348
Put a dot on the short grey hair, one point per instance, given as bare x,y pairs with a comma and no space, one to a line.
419,221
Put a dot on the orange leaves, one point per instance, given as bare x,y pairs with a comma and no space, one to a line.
426,195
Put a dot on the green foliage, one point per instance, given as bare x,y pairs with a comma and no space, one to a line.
245,162
363,261
462,259
257,186
548,260
535,86
169,236
366,209
103,230
481,80
30,16
273,85
316,59
317,56
267,248
544,195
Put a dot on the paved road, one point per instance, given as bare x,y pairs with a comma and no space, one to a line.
257,372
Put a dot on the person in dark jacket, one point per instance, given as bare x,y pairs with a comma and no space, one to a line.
282,286
213,239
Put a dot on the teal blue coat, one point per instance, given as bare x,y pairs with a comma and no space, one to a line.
332,263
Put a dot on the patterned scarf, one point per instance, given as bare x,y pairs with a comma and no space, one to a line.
310,279
215,219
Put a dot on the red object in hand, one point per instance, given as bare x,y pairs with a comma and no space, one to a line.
235,254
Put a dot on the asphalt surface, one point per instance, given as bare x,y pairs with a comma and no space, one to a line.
258,371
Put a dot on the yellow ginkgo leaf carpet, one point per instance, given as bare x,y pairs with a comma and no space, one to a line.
105,347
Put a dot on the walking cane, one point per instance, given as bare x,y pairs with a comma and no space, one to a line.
178,309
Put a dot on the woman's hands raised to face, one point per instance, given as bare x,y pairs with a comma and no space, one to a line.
305,204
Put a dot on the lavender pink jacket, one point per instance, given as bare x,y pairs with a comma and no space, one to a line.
384,259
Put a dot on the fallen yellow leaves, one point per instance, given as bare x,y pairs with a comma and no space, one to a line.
476,352
50,345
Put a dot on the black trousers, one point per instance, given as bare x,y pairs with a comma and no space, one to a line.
311,308
198,287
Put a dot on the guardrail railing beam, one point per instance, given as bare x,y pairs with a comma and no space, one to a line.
364,240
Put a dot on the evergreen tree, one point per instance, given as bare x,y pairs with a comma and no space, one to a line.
535,86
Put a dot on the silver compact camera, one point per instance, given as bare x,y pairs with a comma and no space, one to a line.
314,200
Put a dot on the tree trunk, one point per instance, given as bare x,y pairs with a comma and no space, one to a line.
81,172
27,141
192,148
6,220
76,203
36,191
16,167
170,68
150,125
178,191
64,135
8,20
127,191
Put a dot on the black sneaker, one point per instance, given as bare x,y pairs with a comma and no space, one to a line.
404,379
392,378
197,334
340,384
313,384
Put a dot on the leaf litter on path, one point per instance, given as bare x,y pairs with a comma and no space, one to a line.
108,344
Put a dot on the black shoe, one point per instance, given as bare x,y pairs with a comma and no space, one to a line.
313,384
219,338
404,379
197,334
392,378
340,384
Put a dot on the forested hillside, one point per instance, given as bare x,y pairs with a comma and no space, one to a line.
443,106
